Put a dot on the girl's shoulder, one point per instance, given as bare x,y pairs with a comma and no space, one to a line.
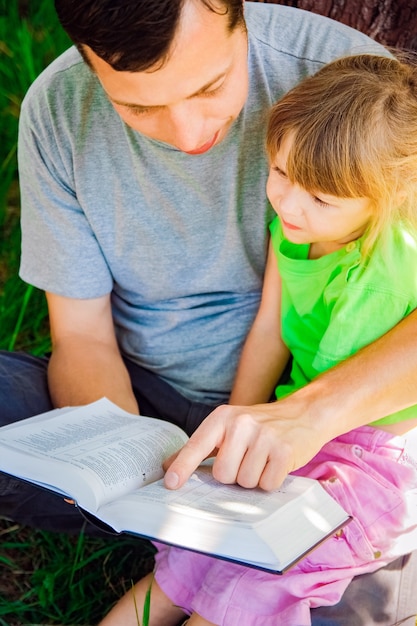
392,263
397,243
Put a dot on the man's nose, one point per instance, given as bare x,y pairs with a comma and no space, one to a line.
187,125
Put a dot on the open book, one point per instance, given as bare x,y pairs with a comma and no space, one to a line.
109,462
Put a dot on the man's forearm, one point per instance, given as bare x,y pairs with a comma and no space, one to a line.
283,436
378,380
83,371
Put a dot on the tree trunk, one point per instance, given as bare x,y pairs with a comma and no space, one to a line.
391,22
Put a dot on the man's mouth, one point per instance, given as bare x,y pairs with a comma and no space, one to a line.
205,147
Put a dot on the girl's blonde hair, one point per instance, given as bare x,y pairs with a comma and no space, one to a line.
354,131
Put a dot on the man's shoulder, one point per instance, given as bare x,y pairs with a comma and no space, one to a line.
304,34
65,75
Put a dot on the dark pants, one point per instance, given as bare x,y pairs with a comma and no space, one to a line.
383,598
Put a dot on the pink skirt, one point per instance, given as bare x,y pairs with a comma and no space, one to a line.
373,476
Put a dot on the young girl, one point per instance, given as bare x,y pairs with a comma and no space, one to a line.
341,271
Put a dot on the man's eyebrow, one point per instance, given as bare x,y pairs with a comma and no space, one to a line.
135,105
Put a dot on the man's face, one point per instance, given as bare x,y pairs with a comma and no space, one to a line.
192,100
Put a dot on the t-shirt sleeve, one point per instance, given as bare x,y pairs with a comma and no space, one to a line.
359,316
60,252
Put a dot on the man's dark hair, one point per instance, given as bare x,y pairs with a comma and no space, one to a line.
132,35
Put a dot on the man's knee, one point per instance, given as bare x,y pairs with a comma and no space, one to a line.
32,506
23,386
384,598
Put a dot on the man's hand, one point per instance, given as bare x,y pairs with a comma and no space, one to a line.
254,446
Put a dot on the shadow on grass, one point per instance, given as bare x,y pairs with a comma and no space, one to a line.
58,579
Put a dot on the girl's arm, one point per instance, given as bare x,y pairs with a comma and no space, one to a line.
264,354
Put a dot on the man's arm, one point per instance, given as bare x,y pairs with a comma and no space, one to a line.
261,444
86,363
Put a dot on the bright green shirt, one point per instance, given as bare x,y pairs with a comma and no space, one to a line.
333,306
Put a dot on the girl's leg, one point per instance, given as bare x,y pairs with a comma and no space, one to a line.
130,607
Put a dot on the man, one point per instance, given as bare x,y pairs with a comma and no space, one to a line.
144,219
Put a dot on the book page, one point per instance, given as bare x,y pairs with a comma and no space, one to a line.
114,450
208,516
203,495
266,529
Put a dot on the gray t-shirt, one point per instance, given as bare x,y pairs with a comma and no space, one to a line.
179,240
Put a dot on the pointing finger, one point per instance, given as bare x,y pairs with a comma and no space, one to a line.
200,446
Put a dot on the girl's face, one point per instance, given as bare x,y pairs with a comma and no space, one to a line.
327,222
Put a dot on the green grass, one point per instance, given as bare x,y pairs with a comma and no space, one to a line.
44,577
58,579
30,38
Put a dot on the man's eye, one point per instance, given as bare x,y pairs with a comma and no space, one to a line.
138,111
213,92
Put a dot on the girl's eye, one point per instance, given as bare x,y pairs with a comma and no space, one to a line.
279,171
320,202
